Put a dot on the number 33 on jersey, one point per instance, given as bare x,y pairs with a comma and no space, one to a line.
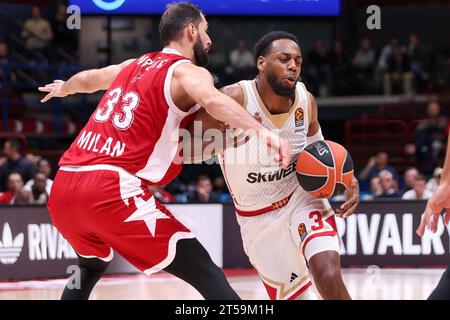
136,125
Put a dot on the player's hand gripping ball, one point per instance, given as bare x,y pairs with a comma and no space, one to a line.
324,169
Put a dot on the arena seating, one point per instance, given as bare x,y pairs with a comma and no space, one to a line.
389,129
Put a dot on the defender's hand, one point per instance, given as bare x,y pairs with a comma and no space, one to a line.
278,147
55,90
439,201
351,200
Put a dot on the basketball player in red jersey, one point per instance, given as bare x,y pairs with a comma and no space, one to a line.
100,201
288,234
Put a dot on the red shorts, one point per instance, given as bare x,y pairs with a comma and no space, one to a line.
103,208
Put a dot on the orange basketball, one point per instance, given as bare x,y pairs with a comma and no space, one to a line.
324,169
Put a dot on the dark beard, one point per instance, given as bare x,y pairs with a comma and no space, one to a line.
278,88
200,54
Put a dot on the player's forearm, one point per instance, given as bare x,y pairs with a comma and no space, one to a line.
83,82
227,110
446,172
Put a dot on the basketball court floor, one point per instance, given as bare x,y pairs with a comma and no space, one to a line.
363,284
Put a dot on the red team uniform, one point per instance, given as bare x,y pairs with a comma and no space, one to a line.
100,200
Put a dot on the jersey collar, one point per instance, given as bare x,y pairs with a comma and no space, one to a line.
171,51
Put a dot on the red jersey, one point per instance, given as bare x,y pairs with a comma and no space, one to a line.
136,125
7,197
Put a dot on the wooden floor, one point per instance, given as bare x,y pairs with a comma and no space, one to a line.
363,284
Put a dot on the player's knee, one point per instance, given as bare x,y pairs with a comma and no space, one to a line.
327,276
325,269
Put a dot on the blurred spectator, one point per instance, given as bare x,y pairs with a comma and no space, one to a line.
4,60
241,60
15,162
203,191
339,67
375,187
409,178
3,52
217,63
37,31
375,190
43,166
419,59
38,190
23,197
376,165
161,194
363,65
15,184
388,185
318,70
34,159
176,186
220,187
433,183
430,138
364,60
65,38
385,54
419,191
216,59
398,77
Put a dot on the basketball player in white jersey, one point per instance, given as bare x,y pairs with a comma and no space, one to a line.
288,234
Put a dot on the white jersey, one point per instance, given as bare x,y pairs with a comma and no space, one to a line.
256,182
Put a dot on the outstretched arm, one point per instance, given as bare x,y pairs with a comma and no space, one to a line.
439,201
84,82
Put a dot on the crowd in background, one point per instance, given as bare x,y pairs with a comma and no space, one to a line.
24,180
380,180
397,68
401,66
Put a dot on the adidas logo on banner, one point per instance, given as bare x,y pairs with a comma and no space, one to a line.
293,277
10,248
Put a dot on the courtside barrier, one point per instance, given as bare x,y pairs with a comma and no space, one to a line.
380,233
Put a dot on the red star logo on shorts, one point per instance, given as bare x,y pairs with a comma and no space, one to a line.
147,212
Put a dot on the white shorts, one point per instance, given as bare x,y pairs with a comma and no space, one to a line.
281,242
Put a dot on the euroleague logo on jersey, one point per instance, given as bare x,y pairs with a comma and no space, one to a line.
257,117
109,5
299,115
302,231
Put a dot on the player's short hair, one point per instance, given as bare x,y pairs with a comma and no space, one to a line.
263,46
177,17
